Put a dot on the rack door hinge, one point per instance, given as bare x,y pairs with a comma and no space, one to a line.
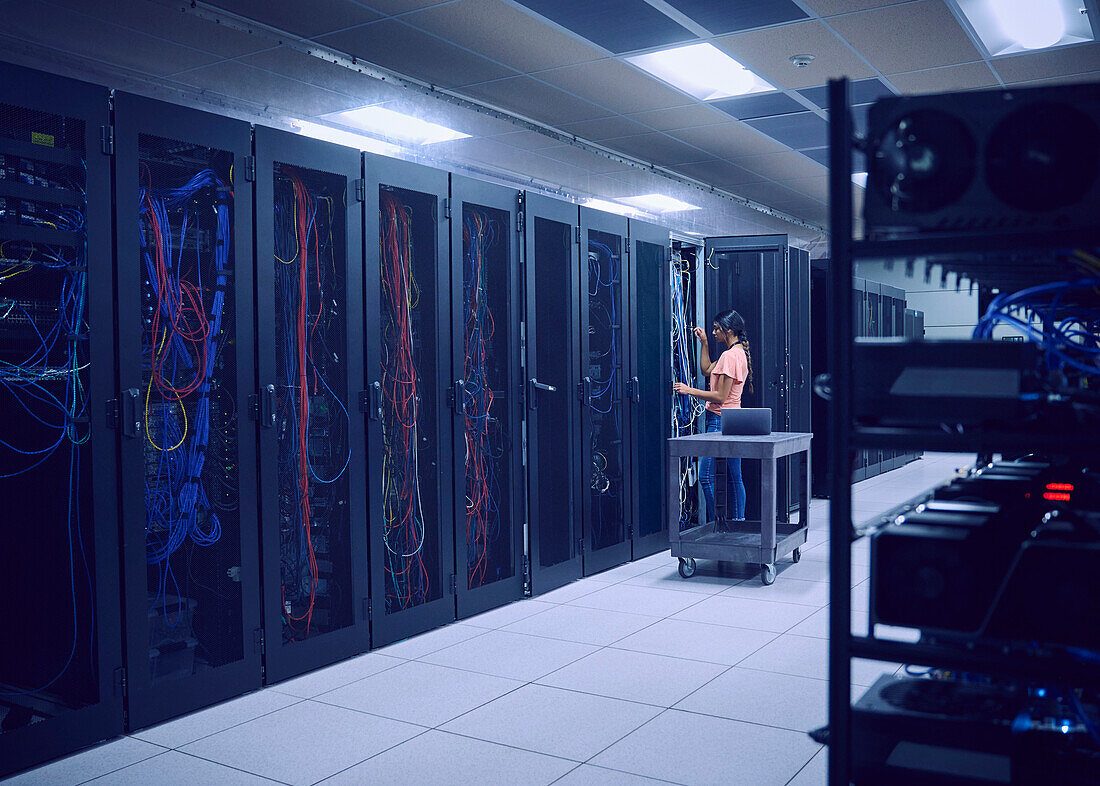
253,406
526,569
107,140
454,584
111,408
250,168
368,611
580,545
360,190
258,641
630,531
577,235
120,681
446,207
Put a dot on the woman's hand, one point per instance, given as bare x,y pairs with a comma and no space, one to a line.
681,388
700,334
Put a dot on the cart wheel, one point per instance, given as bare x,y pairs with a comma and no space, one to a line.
687,567
767,574
796,555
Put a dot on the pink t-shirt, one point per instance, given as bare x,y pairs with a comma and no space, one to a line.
734,364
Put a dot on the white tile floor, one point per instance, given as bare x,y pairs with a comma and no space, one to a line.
633,676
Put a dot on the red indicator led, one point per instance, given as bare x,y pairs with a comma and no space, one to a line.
1059,487
1056,496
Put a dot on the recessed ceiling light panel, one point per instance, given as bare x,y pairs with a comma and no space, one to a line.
346,138
395,125
658,203
610,207
1008,27
701,70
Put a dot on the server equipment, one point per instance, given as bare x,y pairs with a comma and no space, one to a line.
310,367
649,380
61,663
486,398
768,283
686,298
552,267
185,357
407,377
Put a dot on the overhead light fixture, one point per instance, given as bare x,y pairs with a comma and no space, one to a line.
610,207
395,125
658,203
346,138
1008,27
701,70
860,179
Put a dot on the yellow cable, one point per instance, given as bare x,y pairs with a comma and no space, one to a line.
148,393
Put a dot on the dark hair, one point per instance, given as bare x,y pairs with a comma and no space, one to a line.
732,322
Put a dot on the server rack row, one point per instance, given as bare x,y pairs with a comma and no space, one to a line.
272,477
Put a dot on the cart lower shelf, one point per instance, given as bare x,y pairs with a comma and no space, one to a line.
738,542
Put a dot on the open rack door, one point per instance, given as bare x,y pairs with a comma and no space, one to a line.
185,356
310,317
552,324
408,372
605,424
649,384
61,662
488,413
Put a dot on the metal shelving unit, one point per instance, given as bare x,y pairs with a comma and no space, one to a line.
979,258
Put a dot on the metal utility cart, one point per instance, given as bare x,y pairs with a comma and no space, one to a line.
760,542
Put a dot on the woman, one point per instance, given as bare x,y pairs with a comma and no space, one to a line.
728,377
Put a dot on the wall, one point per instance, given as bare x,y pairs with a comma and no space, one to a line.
947,313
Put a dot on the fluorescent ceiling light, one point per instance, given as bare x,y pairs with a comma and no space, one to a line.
1008,27
346,138
703,71
385,122
860,179
610,207
658,203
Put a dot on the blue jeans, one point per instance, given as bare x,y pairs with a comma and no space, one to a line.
735,487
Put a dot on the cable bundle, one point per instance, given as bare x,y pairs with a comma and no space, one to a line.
311,418
605,289
407,577
483,524
182,338
48,385
686,410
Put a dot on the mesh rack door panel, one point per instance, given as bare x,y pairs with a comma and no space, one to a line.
188,396
687,412
651,413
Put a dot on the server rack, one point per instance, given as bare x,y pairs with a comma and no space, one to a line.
310,317
605,428
553,339
61,666
756,275
487,395
649,382
686,416
407,376
188,455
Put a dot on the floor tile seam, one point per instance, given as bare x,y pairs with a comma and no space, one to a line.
416,723
530,681
736,720
511,746
591,608
298,701
615,698
480,632
804,766
163,750
565,775
807,676
776,600
473,624
616,742
624,772
687,591
368,758
275,687
238,769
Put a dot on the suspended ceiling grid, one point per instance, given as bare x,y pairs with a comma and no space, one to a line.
561,63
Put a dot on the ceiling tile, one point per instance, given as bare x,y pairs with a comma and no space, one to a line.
303,67
969,76
718,173
680,117
615,85
102,41
604,128
1075,79
618,25
761,105
821,156
814,187
863,91
544,103
832,7
657,149
797,131
570,154
1046,65
397,46
251,84
527,140
503,33
767,53
771,194
390,7
908,37
324,16
781,166
727,140
741,15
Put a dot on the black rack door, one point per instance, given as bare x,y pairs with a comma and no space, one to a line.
63,645
184,233
649,384
488,459
799,344
605,440
309,318
408,371
552,266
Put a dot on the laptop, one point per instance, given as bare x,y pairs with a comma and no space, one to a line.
747,421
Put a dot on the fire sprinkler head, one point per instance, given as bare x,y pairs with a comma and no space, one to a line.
801,61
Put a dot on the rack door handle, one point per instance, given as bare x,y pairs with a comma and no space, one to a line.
130,415
375,401
533,388
267,406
